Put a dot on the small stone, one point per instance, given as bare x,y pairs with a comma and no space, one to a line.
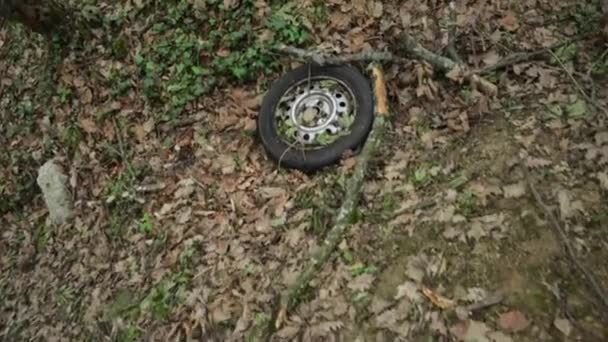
53,183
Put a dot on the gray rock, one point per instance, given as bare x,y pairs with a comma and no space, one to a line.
53,183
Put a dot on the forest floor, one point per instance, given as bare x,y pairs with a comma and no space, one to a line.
184,230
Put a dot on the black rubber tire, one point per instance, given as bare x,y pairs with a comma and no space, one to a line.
313,160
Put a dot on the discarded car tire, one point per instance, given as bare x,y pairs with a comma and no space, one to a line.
342,116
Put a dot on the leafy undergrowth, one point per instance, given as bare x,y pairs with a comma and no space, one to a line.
185,229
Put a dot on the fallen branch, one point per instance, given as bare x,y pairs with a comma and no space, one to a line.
520,57
597,289
413,208
365,56
452,69
292,296
578,86
490,300
121,148
589,335
464,311
452,35
419,52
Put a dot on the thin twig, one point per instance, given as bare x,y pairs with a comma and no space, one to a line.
578,86
519,57
590,70
563,303
365,56
488,301
452,69
413,208
121,148
598,290
452,35
291,298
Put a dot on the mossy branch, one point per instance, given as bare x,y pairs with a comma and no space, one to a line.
322,59
291,297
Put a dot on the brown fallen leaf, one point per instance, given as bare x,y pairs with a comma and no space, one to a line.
563,325
219,315
491,57
477,331
509,22
326,328
376,8
516,190
87,96
513,321
534,163
603,178
88,125
498,336
567,207
288,332
362,282
437,299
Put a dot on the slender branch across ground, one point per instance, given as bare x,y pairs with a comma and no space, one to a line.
520,57
597,289
365,56
578,86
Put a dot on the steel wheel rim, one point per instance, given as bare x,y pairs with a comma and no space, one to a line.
315,112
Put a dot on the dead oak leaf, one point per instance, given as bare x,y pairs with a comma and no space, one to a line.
219,315
567,207
534,163
477,331
563,325
516,190
288,332
477,231
491,57
379,305
340,20
601,138
294,236
509,22
409,290
483,191
139,131
513,321
376,8
437,299
388,318
603,178
87,96
88,125
499,336
325,328
362,282
226,164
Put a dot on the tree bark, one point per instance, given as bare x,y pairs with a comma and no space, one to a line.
41,16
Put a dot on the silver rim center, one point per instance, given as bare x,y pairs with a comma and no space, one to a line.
316,110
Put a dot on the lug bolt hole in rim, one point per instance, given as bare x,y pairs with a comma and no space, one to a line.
315,112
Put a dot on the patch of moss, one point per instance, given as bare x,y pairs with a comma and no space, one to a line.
120,47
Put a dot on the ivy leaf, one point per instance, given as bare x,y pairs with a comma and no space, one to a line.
577,109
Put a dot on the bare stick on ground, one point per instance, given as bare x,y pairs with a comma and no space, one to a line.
452,69
520,57
578,86
365,56
453,35
597,289
292,296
